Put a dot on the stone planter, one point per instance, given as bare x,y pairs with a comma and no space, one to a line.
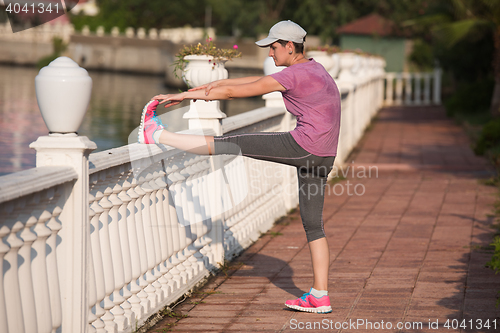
273,99
349,66
63,93
334,71
321,57
202,69
270,67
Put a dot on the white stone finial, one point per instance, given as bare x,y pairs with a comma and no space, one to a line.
129,32
153,33
63,92
115,32
141,33
100,31
85,30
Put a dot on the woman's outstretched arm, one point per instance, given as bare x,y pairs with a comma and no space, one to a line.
262,86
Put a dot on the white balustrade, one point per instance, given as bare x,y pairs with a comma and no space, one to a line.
30,206
408,89
46,33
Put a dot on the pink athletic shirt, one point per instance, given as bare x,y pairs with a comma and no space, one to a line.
313,97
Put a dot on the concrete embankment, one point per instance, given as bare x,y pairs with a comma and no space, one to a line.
123,54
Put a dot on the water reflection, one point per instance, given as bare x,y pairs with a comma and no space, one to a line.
114,111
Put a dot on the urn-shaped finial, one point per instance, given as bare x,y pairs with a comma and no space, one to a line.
63,92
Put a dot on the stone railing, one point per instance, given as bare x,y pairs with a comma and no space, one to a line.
33,208
413,88
101,243
46,32
175,35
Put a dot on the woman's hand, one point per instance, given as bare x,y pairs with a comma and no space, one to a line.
207,87
174,99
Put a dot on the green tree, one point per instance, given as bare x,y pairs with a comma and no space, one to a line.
462,27
145,13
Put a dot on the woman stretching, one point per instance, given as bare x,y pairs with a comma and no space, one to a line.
311,95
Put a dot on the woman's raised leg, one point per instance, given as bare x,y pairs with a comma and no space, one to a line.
196,144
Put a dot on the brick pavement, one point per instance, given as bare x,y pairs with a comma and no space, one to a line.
408,246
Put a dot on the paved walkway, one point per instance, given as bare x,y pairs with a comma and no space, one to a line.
408,244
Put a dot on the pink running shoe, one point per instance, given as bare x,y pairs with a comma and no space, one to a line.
309,303
150,123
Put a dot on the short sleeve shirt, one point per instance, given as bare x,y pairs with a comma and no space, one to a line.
313,97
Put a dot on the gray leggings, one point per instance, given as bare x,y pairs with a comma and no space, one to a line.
281,148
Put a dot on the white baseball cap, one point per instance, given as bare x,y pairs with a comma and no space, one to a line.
284,30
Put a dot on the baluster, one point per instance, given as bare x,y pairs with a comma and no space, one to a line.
235,177
39,269
107,261
205,251
169,227
116,252
200,202
399,89
95,211
418,89
217,233
24,269
11,278
173,261
193,195
125,245
4,248
201,229
163,217
161,283
179,271
408,88
141,241
427,88
195,217
238,178
135,260
152,288
92,289
389,90
52,270
188,208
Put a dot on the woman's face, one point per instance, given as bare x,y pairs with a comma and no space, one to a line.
279,53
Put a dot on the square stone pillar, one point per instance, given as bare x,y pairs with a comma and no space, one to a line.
73,252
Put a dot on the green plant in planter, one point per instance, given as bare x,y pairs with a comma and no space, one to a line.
330,49
209,49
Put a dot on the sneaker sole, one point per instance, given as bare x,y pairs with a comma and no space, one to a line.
140,134
321,309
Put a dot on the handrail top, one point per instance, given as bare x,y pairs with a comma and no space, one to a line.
22,183
132,152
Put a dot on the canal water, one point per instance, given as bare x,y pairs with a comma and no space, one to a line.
114,112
